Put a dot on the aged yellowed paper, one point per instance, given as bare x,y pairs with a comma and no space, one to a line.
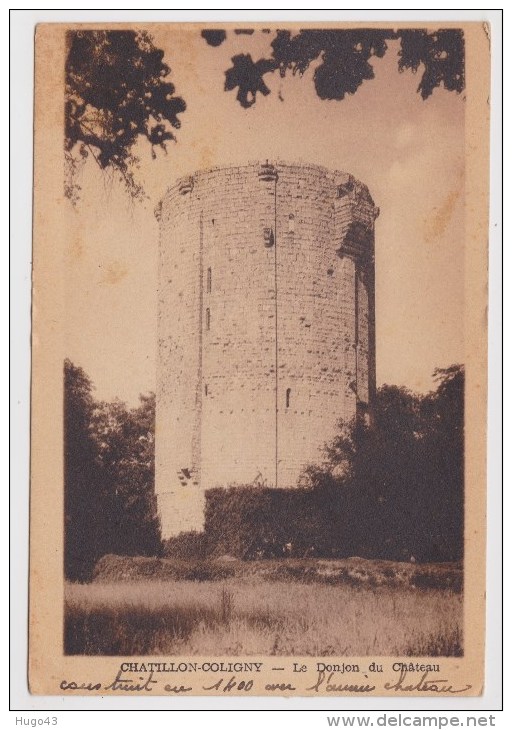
258,447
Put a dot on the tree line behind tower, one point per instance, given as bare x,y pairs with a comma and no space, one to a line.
393,491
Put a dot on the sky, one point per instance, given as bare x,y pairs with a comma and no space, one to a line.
409,152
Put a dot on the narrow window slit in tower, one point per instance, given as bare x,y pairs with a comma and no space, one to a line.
208,319
291,223
206,388
288,396
209,280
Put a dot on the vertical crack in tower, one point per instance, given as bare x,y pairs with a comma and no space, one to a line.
276,329
196,456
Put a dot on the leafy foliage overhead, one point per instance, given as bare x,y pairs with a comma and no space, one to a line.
344,53
442,55
214,37
248,76
345,60
116,92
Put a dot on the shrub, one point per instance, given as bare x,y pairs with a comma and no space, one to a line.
257,522
186,545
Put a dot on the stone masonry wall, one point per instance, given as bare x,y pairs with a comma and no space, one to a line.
265,327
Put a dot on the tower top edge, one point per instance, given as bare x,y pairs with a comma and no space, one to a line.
187,182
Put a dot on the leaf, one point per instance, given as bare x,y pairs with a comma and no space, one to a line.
116,93
248,77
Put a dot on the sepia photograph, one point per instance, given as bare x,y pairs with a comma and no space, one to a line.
258,440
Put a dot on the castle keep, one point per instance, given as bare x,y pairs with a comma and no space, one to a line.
266,327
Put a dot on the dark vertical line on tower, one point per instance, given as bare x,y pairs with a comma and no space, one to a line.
372,366
356,328
199,386
370,290
276,330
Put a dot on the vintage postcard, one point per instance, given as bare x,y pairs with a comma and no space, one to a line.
258,447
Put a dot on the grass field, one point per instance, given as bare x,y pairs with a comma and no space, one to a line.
315,608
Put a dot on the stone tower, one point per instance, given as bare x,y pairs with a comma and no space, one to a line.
266,327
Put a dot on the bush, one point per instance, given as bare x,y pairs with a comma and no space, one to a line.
113,568
330,519
258,522
186,545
